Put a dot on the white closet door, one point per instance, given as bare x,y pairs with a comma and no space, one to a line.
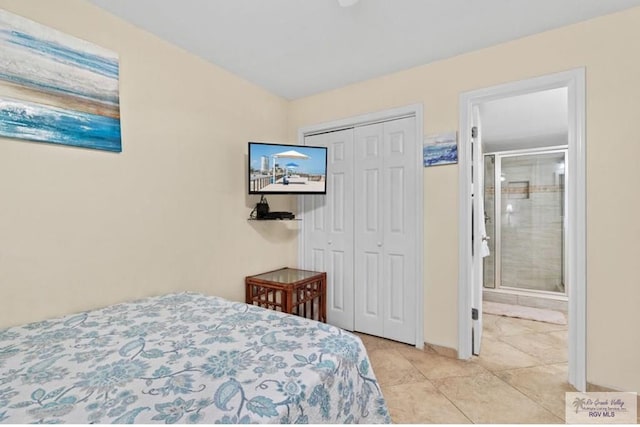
400,226
369,259
385,229
328,227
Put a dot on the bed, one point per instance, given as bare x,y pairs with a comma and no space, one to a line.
185,358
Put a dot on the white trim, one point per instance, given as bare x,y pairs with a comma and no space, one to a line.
526,151
574,80
577,209
465,348
414,110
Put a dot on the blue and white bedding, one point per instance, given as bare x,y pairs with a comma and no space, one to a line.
185,358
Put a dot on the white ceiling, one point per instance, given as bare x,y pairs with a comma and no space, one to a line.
539,119
296,48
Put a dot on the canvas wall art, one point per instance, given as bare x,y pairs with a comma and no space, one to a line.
57,88
440,149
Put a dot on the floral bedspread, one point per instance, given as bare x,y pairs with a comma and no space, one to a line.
185,358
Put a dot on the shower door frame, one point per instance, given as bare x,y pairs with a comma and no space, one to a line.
497,218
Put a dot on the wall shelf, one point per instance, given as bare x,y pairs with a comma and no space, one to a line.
274,219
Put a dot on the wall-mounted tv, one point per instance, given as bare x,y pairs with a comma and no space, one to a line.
287,169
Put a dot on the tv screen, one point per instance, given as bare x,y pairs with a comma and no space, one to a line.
287,169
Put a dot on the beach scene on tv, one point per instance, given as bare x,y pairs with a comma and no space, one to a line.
287,169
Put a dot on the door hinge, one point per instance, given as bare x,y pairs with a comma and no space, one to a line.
474,314
474,132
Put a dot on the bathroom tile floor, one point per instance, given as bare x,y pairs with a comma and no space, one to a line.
519,377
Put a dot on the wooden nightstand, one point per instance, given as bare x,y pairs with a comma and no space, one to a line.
293,291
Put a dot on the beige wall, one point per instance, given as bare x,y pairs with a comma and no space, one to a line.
608,48
82,228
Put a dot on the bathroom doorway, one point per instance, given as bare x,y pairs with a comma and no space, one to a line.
528,138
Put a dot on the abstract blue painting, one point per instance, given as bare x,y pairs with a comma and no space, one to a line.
440,149
57,88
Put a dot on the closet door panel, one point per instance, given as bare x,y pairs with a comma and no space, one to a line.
369,282
399,230
329,239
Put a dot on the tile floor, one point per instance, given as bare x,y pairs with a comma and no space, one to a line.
519,377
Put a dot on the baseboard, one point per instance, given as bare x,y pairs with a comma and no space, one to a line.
599,388
441,350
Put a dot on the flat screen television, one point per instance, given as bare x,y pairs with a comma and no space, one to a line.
287,169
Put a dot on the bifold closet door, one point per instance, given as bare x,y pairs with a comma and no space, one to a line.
328,227
385,229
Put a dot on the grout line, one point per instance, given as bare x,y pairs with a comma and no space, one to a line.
451,401
544,363
527,396
541,362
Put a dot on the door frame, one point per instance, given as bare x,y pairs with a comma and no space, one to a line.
414,110
574,81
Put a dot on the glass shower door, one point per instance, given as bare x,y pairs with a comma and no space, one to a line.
524,202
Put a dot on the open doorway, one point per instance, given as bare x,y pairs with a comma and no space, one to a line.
524,156
522,213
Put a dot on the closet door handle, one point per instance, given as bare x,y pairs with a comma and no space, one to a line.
379,244
330,242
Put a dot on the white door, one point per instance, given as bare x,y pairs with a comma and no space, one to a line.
369,234
478,233
385,229
328,227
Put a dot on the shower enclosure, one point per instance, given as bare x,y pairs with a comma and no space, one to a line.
525,205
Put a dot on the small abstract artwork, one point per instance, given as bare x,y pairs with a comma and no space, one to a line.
57,88
440,149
